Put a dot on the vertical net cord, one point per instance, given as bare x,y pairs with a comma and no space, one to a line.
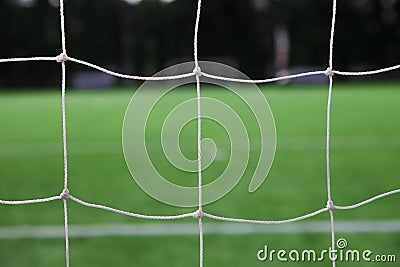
200,210
196,31
64,194
332,35
62,26
66,232
64,126
330,203
199,166
328,133
201,241
197,72
65,191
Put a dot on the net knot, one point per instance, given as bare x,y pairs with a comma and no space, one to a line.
329,72
198,214
65,194
62,57
197,71
330,205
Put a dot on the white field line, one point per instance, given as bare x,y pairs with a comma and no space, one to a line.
284,143
211,228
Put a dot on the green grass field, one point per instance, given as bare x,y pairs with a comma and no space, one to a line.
364,162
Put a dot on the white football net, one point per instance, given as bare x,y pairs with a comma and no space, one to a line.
198,214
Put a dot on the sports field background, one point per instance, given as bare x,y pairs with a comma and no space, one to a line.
364,162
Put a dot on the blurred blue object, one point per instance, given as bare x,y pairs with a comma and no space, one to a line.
88,80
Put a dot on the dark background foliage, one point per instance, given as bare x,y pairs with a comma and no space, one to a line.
146,37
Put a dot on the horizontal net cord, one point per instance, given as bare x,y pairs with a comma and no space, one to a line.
130,214
327,72
309,215
196,214
228,219
368,200
131,77
371,72
227,79
29,201
25,59
63,57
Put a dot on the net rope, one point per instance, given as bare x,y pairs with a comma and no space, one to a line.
65,195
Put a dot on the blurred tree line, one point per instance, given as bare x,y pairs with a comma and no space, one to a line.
142,37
